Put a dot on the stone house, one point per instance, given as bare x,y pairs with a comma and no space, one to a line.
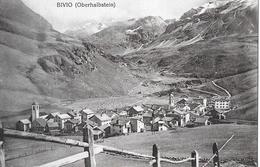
121,126
61,119
52,127
159,125
39,125
86,114
137,125
107,130
71,125
135,111
23,125
101,119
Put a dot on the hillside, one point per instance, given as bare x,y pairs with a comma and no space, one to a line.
216,58
126,36
216,18
39,63
206,43
243,87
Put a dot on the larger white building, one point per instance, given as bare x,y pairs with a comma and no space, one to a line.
222,103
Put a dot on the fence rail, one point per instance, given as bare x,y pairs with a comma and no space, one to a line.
90,149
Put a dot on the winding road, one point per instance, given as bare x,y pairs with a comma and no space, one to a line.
211,93
225,90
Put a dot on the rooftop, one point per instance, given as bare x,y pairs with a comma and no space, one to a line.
72,113
87,111
64,116
121,121
41,122
102,117
182,101
53,114
193,105
25,121
138,108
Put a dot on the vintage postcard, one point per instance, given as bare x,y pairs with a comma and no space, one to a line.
129,83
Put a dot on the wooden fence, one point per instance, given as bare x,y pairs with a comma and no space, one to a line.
90,149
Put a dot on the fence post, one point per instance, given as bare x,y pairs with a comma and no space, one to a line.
195,162
216,158
88,137
156,154
2,153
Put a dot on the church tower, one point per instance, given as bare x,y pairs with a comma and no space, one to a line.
171,100
35,111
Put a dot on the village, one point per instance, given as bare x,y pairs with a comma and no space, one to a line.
186,112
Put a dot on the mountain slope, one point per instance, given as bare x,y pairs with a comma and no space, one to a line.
243,88
121,37
218,18
39,63
207,43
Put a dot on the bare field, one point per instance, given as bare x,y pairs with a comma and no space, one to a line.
178,143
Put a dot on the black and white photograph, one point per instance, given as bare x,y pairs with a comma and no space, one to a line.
129,83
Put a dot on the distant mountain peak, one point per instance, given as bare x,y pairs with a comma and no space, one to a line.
88,27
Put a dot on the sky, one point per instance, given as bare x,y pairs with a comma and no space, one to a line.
65,18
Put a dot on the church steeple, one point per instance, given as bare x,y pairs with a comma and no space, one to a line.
35,111
171,100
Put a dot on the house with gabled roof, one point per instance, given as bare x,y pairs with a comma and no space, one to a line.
98,133
51,116
61,119
135,111
52,128
184,117
39,125
137,124
23,125
197,108
147,118
74,115
111,114
87,122
86,114
182,102
71,125
121,126
101,119
107,130
159,125
172,122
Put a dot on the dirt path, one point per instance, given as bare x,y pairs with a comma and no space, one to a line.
225,90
